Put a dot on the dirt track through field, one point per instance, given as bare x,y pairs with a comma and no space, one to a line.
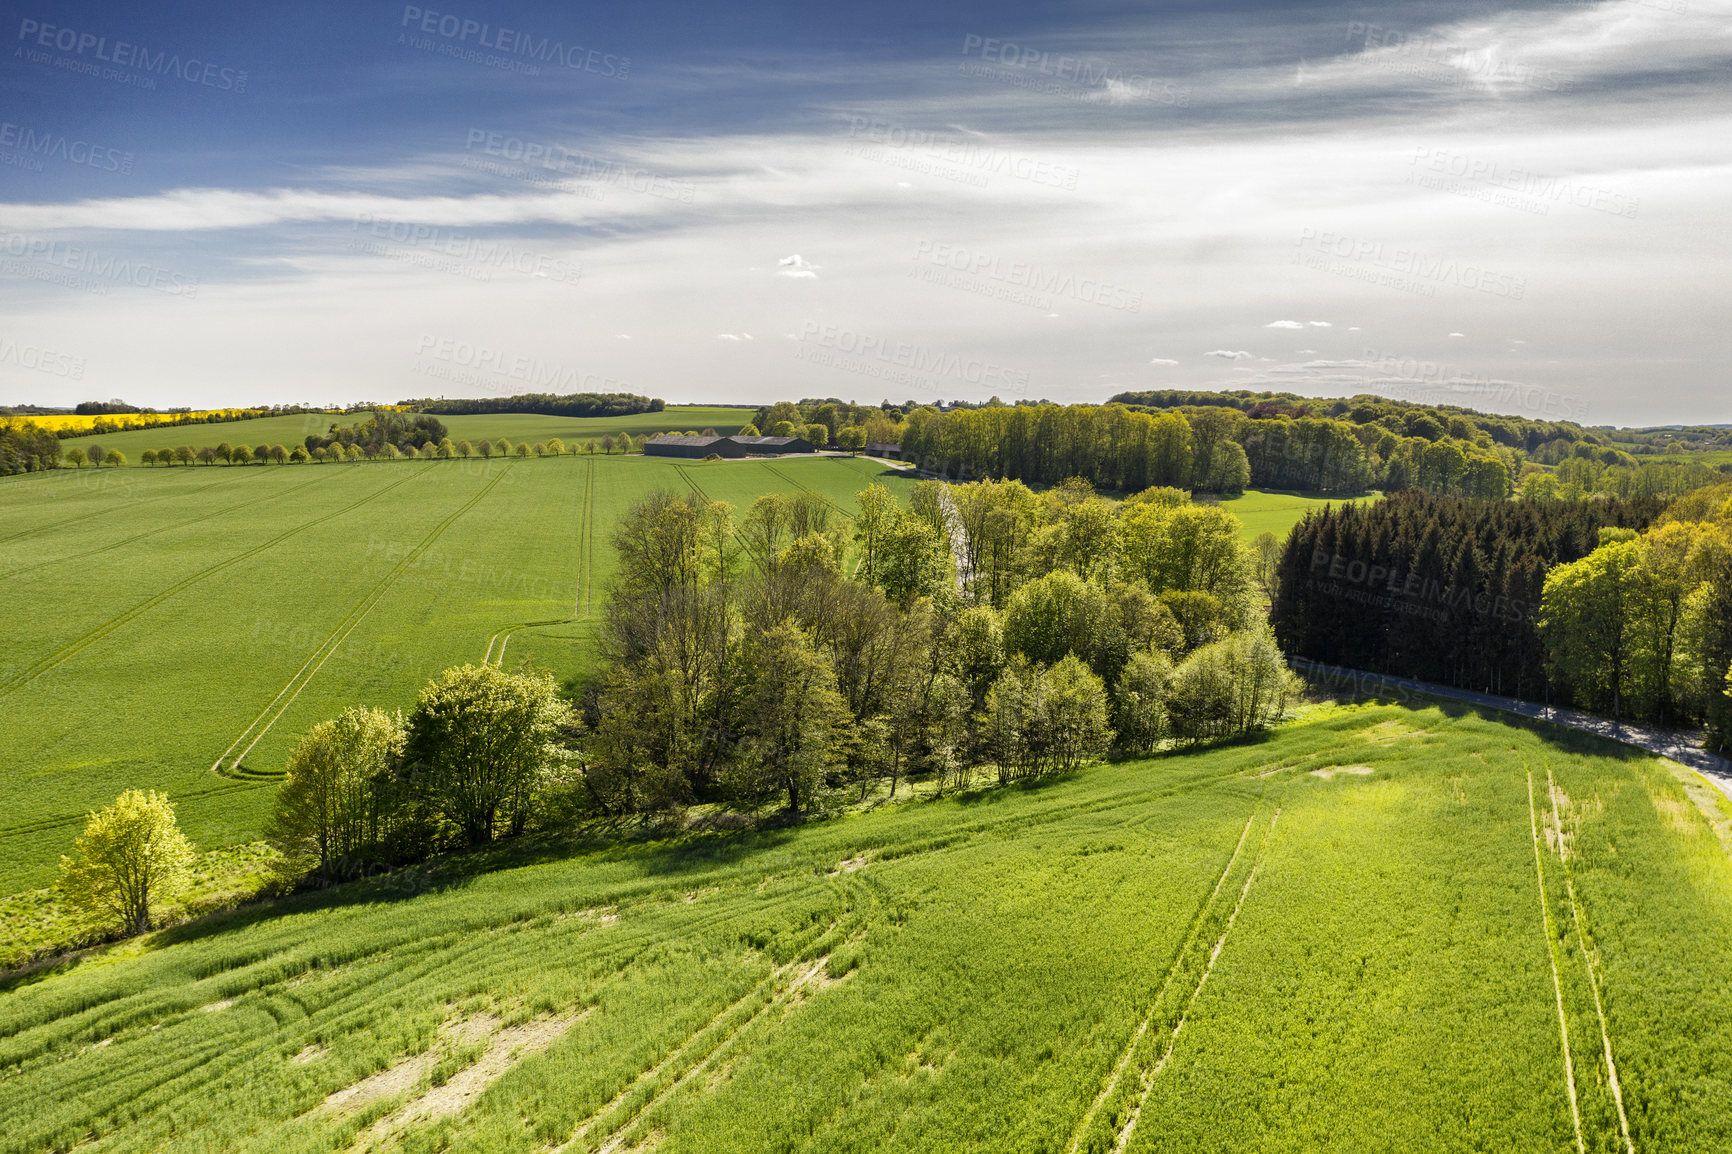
66,652
308,670
1557,979
1130,1047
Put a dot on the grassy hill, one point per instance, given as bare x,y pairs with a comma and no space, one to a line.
177,629
1382,929
292,430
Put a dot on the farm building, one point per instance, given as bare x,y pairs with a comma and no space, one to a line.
699,447
775,444
673,446
885,450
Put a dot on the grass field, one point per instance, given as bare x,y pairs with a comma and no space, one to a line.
177,629
1268,511
292,430
1381,929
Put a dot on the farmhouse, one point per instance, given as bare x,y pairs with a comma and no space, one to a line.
698,447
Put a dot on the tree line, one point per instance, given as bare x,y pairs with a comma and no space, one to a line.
791,655
1623,607
26,447
1641,627
1210,449
546,404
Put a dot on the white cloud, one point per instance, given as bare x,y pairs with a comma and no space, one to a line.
1319,324
733,336
1283,325
622,336
797,266
1230,354
1163,361
1458,334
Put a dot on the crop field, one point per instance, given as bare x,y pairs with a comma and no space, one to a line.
1380,929
178,629
292,430
1264,511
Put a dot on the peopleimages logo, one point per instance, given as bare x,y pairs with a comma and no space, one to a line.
41,360
29,142
104,266
482,362
123,54
460,30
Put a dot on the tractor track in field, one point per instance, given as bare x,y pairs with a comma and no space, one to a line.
323,653
694,1055
1579,918
1130,1047
21,534
738,536
1557,977
164,528
807,488
584,584
1123,1138
586,547
14,683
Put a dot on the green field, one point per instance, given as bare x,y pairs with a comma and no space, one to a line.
1379,930
1274,512
292,430
177,629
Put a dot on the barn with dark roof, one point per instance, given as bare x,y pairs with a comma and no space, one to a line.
670,445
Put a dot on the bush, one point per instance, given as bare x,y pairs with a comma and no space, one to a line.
1230,687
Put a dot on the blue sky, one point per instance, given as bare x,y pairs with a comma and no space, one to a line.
1522,209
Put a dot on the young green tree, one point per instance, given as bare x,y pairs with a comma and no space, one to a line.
299,455
485,448
1073,714
1053,616
480,744
1585,620
127,856
115,459
1266,564
853,438
184,454
332,808
1140,702
793,718
464,449
148,457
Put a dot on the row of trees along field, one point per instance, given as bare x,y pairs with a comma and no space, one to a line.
547,404
1623,607
442,450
